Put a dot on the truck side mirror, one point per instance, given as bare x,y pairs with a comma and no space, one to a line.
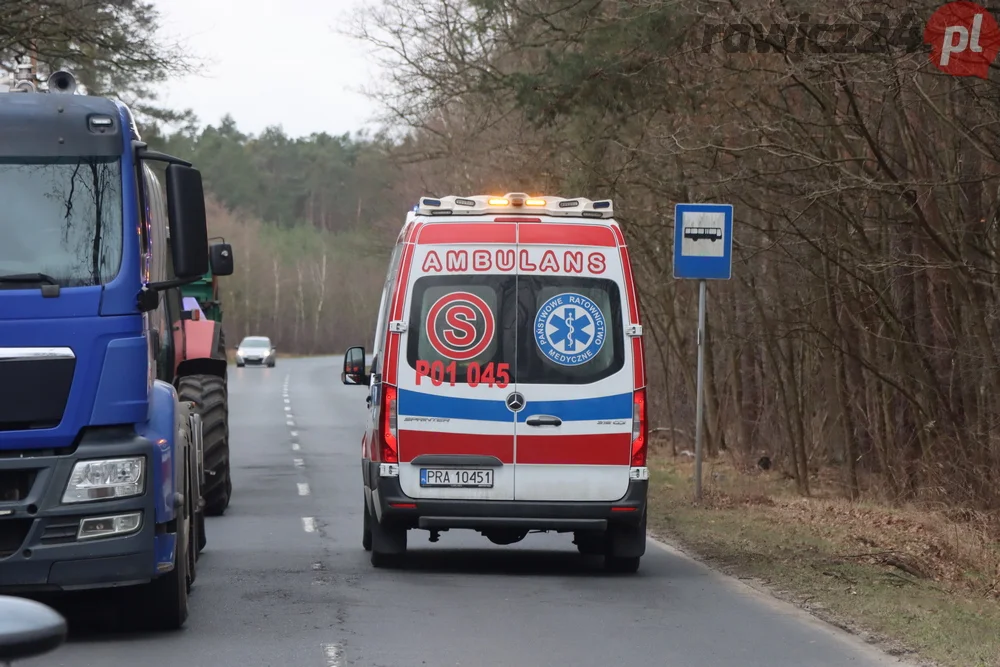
221,259
188,222
28,629
354,367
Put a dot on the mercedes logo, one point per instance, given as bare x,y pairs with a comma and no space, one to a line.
515,402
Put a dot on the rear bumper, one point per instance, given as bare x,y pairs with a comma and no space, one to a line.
39,547
393,507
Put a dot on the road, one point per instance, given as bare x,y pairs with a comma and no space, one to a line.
284,580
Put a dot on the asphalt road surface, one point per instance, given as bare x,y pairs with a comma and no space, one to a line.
284,580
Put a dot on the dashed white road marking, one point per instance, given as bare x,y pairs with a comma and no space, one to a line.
299,463
309,524
290,422
333,654
288,408
295,447
303,489
287,401
295,434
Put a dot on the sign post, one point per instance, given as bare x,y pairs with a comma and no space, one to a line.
703,250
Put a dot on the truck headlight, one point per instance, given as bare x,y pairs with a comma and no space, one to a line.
105,479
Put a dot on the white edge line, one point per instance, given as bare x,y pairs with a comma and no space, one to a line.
333,654
309,524
303,488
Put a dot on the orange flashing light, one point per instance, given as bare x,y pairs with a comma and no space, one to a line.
534,202
498,201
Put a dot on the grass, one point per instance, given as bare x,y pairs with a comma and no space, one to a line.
914,580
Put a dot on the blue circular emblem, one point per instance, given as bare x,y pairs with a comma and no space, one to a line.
570,329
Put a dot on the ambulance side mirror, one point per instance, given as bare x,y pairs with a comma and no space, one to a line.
354,367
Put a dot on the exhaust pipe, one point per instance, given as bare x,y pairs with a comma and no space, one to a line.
62,82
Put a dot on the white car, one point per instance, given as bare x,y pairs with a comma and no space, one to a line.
255,351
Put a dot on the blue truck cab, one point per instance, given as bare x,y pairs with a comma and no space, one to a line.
100,462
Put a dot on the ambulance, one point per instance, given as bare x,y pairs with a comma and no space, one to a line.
507,386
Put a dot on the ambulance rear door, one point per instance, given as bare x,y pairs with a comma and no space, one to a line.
455,432
573,434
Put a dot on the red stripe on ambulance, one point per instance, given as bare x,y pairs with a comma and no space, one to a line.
481,233
564,234
418,443
610,449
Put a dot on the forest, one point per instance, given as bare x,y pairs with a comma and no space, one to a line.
860,328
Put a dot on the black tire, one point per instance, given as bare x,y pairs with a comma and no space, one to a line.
625,547
202,536
591,544
192,551
622,564
163,603
366,531
208,392
221,352
388,545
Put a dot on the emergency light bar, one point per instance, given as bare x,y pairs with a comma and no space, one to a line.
515,202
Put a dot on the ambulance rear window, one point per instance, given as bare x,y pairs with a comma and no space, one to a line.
465,319
573,331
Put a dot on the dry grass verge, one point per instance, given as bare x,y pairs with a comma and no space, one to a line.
912,579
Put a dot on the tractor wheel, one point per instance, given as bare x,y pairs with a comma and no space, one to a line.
221,352
208,392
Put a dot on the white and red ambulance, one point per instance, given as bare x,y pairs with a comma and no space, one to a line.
507,388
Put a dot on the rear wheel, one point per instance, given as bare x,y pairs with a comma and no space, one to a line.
208,393
388,544
622,564
625,547
366,532
590,543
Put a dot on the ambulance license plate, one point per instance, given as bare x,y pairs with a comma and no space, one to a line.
457,478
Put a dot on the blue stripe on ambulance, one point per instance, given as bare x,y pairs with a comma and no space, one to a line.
418,404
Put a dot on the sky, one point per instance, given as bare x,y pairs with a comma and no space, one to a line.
271,62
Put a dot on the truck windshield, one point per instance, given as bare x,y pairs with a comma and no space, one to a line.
62,218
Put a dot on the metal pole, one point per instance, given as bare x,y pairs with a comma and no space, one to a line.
700,399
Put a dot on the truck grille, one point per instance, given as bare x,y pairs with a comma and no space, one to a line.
34,386
12,534
16,484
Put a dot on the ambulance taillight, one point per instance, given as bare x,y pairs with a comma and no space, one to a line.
390,448
640,429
